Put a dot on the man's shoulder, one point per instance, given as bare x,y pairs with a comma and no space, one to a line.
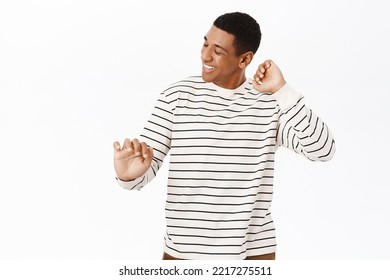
190,81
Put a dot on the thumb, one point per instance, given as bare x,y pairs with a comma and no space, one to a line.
148,157
149,153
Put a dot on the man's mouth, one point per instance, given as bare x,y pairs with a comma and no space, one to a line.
208,67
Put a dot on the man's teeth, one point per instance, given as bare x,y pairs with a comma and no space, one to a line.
208,67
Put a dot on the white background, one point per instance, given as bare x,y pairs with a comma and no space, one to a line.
77,75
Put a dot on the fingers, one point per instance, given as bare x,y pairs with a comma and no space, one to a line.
268,63
117,146
134,148
137,147
261,71
259,74
127,144
256,84
264,66
257,77
147,152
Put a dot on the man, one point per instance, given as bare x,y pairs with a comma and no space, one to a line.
222,131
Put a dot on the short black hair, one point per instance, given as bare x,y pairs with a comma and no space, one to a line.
245,29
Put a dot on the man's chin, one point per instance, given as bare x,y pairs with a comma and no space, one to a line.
206,78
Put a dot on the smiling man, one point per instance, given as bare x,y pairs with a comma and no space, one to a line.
228,48
222,130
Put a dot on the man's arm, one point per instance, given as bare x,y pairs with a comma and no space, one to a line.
299,129
137,162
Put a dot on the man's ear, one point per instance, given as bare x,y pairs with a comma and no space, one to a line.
245,59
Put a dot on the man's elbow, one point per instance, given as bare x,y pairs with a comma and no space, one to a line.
329,153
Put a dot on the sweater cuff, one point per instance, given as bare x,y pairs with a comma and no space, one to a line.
131,185
286,97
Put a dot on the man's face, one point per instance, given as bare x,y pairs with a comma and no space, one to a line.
219,60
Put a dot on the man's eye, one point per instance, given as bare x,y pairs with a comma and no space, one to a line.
217,52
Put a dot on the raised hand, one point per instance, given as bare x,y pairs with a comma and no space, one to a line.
268,77
132,160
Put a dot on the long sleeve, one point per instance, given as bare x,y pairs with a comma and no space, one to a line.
157,134
300,130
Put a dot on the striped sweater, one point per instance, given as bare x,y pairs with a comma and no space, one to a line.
222,146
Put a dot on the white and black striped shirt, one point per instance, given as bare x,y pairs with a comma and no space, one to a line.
222,147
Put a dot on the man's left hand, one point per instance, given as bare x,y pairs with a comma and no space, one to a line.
268,77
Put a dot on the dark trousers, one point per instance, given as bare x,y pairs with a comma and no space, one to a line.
270,256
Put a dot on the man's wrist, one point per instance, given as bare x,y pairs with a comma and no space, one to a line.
279,86
124,179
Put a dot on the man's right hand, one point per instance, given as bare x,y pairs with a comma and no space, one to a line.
132,160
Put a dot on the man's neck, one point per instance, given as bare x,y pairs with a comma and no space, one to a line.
233,83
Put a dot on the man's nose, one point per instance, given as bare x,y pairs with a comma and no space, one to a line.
206,54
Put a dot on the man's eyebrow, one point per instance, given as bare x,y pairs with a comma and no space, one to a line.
218,46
